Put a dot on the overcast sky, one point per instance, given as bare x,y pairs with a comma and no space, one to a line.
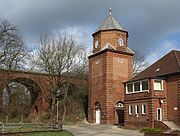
153,25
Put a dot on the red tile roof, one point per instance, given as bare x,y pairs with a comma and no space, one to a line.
169,64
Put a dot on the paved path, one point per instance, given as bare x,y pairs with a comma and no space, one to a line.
101,130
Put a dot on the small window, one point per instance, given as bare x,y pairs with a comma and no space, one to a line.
158,85
130,109
119,104
137,86
129,88
143,109
136,109
145,85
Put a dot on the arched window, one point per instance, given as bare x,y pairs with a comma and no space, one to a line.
97,105
119,104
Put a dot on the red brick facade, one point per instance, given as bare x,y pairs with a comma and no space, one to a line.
146,100
108,69
167,100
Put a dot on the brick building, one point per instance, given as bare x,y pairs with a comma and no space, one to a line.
153,97
110,64
116,97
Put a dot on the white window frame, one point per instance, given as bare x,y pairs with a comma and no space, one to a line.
136,110
148,85
144,111
161,84
127,87
140,87
130,109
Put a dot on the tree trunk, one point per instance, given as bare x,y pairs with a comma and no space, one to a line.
64,106
53,109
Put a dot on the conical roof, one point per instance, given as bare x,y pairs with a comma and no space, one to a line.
110,23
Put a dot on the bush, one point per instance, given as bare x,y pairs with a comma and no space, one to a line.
150,130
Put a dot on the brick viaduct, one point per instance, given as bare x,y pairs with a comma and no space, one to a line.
37,83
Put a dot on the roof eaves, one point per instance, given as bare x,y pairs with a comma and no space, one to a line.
178,62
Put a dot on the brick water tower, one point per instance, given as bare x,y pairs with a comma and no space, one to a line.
110,65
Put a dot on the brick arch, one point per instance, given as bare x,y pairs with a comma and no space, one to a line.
35,83
34,89
119,104
42,83
31,85
97,105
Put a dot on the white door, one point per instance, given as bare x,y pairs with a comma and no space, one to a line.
159,114
98,116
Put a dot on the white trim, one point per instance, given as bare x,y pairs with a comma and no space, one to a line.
136,109
107,46
98,116
143,105
161,84
127,88
139,86
160,114
148,84
134,88
130,110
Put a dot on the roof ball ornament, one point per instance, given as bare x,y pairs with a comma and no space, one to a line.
110,11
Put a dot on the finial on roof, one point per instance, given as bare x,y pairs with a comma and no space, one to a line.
110,10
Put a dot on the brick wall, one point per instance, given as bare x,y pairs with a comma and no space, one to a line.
140,120
107,72
151,99
111,37
172,94
178,84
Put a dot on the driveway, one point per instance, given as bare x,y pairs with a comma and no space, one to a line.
101,130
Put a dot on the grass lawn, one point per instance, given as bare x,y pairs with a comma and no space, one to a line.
62,133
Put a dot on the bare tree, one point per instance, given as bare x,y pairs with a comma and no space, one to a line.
12,50
63,58
20,100
11,46
139,62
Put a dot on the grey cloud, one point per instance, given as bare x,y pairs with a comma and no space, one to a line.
147,21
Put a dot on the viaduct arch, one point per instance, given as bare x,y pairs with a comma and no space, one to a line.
37,83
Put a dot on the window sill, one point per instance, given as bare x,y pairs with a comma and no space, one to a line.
138,92
159,90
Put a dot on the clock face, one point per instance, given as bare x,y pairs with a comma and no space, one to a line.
121,42
96,44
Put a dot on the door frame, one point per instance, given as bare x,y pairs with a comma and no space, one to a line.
97,116
160,109
120,117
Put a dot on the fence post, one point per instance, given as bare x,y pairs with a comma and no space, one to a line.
22,119
2,127
6,118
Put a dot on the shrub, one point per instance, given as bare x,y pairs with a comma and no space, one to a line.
150,130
